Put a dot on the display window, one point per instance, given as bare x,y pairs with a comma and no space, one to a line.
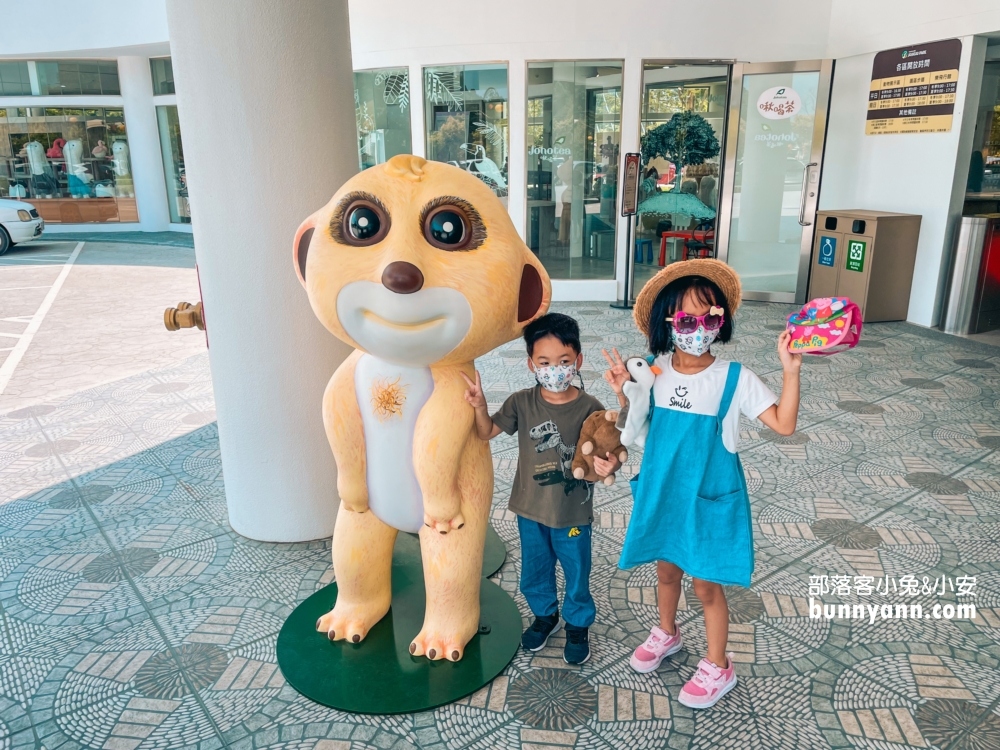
173,164
382,111
73,164
466,117
573,147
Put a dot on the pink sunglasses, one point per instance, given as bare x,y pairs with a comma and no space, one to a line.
687,323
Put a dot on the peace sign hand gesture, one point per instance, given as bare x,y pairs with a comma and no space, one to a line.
474,393
618,375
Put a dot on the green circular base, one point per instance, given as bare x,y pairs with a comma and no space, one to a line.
378,675
495,553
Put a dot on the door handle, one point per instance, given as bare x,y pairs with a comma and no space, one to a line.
802,197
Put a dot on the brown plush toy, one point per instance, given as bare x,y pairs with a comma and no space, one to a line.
598,437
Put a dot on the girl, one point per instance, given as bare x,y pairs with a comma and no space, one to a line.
691,509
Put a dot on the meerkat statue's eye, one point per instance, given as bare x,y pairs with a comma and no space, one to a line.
363,223
447,228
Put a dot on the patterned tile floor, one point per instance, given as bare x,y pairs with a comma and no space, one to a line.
131,615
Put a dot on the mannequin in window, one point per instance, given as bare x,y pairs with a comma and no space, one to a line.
56,151
42,179
77,176
123,174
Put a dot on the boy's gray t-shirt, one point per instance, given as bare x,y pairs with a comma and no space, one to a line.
544,488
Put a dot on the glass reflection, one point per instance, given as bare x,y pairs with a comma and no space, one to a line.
573,141
466,118
382,111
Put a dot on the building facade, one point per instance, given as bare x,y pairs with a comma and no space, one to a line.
542,102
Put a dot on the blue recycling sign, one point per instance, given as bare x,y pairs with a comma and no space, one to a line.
827,250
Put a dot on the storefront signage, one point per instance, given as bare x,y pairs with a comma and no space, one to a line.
549,153
913,89
630,188
779,103
856,255
827,251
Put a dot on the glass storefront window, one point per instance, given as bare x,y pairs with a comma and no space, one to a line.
173,164
982,195
382,111
573,142
72,163
682,125
467,120
162,71
78,77
14,79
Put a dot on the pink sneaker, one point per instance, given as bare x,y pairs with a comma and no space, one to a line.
657,647
708,684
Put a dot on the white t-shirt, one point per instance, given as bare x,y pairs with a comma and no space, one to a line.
701,393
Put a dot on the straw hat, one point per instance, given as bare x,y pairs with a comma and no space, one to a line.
714,270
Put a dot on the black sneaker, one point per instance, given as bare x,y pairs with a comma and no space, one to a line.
535,637
577,649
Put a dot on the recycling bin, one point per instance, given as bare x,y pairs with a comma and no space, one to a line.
867,256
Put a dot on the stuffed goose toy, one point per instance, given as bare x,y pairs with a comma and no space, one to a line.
634,418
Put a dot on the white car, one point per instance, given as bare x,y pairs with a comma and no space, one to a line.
19,222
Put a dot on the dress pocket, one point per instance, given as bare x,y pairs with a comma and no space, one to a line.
725,499
720,522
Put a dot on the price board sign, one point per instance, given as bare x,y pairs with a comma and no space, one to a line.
630,187
913,89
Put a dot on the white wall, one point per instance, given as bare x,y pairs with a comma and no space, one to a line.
858,26
915,173
394,32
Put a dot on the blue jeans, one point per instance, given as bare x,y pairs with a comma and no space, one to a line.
541,546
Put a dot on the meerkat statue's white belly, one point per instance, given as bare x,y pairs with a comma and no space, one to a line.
391,397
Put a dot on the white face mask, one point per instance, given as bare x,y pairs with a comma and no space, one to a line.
555,378
696,343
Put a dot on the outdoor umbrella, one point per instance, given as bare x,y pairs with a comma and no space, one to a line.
676,203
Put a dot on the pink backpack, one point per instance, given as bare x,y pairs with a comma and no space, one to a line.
825,326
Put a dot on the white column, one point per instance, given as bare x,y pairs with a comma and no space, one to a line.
265,94
417,138
631,113
517,176
144,143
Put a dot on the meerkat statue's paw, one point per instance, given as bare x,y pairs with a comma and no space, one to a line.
443,524
440,643
350,622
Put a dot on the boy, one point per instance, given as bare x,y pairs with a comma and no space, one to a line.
554,510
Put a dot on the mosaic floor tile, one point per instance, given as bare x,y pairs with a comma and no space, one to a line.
132,616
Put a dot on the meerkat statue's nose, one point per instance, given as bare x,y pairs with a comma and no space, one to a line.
402,277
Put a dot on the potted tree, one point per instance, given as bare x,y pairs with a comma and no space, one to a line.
685,139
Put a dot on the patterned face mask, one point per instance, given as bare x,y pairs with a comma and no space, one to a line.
555,378
696,343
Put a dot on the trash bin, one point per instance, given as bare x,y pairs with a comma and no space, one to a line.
973,304
867,256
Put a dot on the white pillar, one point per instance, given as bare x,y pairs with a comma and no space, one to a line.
517,116
631,114
265,95
418,139
144,144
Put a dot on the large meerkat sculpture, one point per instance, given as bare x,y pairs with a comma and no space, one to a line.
417,266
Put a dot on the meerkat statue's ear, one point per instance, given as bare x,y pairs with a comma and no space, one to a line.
300,248
531,300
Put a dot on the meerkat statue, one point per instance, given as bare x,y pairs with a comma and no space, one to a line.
417,266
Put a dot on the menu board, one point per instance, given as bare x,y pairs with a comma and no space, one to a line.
913,89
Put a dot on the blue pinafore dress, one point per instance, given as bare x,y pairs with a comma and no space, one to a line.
691,505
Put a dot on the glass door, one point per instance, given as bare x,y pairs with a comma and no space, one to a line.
774,158
682,134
